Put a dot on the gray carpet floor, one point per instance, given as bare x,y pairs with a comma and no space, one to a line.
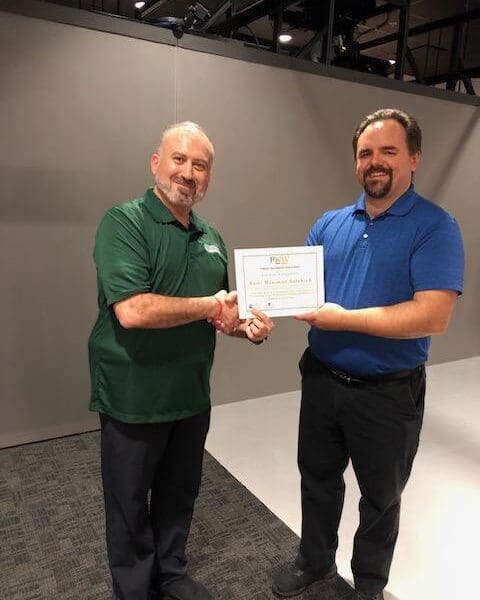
52,530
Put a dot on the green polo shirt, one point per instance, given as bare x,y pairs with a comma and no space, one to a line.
153,375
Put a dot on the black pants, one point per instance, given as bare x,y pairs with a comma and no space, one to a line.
151,478
377,426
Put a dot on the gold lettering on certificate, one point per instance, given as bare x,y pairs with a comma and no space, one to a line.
279,260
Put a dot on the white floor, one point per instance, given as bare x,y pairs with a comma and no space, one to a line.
436,555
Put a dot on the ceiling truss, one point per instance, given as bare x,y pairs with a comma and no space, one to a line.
446,52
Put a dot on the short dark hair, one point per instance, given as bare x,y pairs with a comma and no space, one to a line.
409,124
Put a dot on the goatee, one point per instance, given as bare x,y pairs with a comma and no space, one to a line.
376,189
178,199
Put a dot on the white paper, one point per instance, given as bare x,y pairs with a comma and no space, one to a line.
279,281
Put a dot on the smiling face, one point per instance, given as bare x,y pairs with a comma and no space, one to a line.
384,165
181,168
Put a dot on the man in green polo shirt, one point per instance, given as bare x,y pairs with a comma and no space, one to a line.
162,281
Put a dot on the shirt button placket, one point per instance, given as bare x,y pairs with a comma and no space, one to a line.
187,249
363,241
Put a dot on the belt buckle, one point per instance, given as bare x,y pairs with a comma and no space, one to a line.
346,378
355,380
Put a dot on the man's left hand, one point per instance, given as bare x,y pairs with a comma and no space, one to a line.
329,316
258,328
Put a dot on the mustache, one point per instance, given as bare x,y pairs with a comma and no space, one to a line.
376,170
186,182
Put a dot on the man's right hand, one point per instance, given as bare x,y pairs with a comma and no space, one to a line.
228,319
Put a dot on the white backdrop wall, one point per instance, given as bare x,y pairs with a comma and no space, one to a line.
80,112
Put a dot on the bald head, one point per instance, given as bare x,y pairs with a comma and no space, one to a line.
187,129
182,166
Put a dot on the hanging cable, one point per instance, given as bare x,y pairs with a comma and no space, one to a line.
176,51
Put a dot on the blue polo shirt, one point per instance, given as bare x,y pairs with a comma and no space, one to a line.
415,245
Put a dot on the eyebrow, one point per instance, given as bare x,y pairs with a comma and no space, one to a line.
369,149
202,161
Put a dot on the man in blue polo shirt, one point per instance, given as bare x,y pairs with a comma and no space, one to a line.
393,270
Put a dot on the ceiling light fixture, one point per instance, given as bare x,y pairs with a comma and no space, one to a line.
392,61
284,38
139,5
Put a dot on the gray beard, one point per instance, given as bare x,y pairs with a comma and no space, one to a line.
178,199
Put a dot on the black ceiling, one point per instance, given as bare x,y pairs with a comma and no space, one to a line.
433,42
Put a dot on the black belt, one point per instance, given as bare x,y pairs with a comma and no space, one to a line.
374,380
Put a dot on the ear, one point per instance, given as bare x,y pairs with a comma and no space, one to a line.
415,161
154,162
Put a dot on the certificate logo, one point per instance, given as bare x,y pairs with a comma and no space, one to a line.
279,260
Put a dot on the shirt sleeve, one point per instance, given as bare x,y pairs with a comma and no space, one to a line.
438,258
315,235
121,257
223,246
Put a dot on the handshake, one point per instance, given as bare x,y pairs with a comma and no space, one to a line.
226,319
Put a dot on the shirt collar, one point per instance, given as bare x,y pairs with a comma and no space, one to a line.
161,214
401,207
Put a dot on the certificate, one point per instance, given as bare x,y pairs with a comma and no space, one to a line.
279,281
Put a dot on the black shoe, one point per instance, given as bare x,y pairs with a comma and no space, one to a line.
369,596
186,588
290,580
